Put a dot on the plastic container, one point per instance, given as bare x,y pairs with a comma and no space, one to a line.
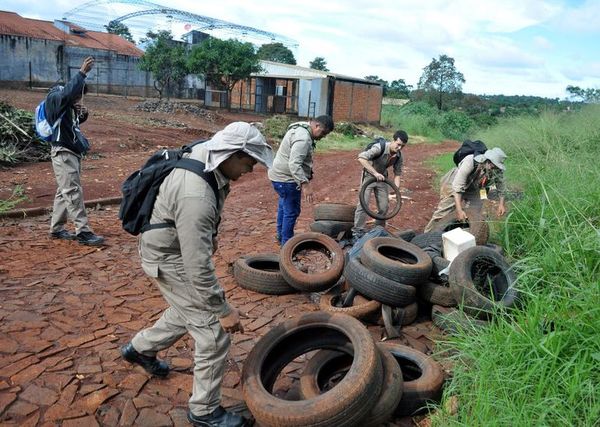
455,241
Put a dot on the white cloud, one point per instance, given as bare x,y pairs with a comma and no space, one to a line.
585,18
542,42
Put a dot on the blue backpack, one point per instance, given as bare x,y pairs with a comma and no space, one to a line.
42,127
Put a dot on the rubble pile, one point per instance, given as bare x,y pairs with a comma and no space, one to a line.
174,107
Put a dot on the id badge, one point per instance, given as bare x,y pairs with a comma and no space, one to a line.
483,194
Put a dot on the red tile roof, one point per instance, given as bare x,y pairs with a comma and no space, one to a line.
14,24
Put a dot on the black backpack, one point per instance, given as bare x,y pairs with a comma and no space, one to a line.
141,187
379,141
469,147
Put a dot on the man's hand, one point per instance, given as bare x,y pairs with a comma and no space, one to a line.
80,110
231,322
87,65
461,215
307,190
378,176
501,209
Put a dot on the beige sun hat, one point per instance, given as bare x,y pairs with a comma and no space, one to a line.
494,155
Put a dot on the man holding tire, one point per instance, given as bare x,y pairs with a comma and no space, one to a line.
376,160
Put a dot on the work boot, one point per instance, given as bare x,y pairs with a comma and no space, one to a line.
152,365
218,418
90,239
62,234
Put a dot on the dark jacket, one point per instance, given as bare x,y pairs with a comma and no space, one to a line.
60,100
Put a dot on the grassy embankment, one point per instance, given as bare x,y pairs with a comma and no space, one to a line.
540,365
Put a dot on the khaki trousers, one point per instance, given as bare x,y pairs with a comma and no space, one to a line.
185,315
381,192
68,201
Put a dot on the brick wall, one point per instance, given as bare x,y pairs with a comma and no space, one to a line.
357,102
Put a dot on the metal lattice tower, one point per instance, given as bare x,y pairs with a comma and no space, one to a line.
97,13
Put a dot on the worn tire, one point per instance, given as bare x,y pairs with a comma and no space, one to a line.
453,321
423,378
325,363
477,225
331,228
396,260
334,212
377,287
467,274
361,307
260,273
365,203
345,405
439,264
435,293
393,318
306,281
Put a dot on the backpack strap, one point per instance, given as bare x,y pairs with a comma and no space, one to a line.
197,167
382,143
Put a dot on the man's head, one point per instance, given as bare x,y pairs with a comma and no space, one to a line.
321,126
493,159
236,165
399,141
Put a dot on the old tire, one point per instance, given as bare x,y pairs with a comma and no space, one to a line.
393,318
423,378
331,228
260,273
324,364
345,405
361,307
396,260
334,212
476,225
377,287
365,203
311,282
435,293
453,321
482,281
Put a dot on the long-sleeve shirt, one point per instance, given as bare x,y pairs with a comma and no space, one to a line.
188,200
466,179
294,159
381,162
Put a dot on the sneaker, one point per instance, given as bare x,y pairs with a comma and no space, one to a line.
62,234
152,365
90,239
218,418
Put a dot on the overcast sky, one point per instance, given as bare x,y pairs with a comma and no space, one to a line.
512,47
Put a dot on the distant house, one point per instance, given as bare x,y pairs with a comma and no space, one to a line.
41,53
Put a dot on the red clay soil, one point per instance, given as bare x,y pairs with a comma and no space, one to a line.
65,309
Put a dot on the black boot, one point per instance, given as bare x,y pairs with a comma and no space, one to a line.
62,234
218,418
152,365
90,239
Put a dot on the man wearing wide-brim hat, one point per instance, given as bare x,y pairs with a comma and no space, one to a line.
466,186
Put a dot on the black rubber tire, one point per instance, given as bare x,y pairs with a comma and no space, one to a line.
393,318
476,225
433,239
435,293
423,378
361,307
314,282
326,363
438,264
260,273
365,203
331,228
453,321
467,286
378,287
345,405
396,260
334,212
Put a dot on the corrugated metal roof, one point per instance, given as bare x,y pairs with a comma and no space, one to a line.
15,25
287,71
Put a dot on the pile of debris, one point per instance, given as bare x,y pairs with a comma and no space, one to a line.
18,140
174,107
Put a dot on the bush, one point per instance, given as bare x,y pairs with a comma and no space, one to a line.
347,129
455,124
275,127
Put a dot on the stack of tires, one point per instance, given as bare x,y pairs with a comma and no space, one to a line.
349,381
333,219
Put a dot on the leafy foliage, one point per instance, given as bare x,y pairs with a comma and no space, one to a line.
120,29
17,196
318,63
224,62
18,140
399,89
441,80
276,52
589,95
165,58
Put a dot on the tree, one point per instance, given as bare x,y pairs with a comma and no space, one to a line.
120,29
276,52
318,63
589,95
399,89
165,58
441,79
224,62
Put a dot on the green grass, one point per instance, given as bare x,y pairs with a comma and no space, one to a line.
17,196
541,364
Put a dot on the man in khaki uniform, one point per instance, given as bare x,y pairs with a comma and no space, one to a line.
292,171
179,260
463,185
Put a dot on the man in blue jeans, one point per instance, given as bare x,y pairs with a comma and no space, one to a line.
292,171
